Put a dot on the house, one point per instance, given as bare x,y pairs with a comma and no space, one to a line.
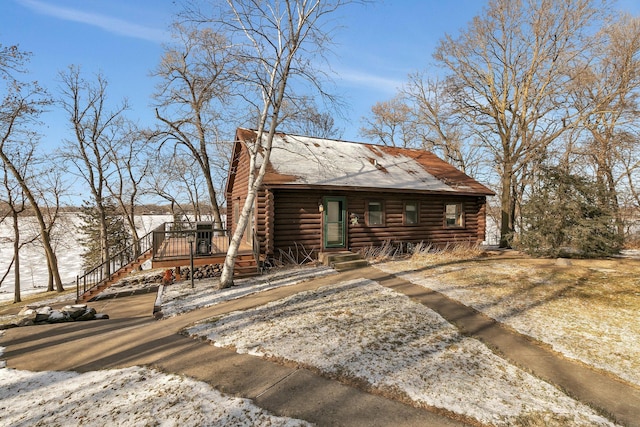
330,195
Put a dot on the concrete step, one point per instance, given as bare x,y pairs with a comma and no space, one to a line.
328,258
349,265
343,260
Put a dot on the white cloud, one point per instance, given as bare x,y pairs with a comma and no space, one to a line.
107,23
372,81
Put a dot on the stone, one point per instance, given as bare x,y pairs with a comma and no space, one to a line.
38,315
57,316
75,311
27,311
563,262
42,314
26,321
89,314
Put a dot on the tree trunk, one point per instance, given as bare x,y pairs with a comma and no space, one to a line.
104,241
50,287
52,259
44,232
16,255
215,210
506,220
226,278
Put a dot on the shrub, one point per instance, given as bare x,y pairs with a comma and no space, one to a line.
567,215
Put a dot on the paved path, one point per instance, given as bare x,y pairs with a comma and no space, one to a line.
133,337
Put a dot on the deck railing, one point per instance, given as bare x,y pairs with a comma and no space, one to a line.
103,272
172,240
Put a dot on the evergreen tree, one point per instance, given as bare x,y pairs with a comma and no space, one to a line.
118,234
568,215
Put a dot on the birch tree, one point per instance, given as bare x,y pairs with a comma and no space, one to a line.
276,44
509,72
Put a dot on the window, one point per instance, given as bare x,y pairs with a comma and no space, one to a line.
411,213
453,215
375,213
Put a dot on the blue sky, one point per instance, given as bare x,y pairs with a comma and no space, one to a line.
377,47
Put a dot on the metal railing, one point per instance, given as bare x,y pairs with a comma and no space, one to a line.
168,241
103,272
171,241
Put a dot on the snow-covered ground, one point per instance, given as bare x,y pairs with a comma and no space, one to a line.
373,335
370,334
135,396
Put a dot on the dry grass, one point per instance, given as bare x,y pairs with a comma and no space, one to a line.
9,307
588,310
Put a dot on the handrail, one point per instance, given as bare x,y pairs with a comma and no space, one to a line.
171,242
96,276
209,239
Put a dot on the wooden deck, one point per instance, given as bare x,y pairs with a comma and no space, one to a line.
167,247
175,252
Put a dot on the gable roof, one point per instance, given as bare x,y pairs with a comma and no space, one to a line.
327,163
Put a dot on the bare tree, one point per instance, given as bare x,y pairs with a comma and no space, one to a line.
194,82
130,161
274,44
96,130
440,125
509,72
608,89
12,61
301,116
16,203
175,178
392,123
19,111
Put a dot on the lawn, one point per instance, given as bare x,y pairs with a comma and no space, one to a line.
588,310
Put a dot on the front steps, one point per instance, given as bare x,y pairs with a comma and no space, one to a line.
343,260
115,277
245,266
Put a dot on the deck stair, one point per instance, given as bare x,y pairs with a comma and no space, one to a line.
168,246
343,260
115,277
245,266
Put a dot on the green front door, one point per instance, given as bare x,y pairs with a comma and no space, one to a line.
334,220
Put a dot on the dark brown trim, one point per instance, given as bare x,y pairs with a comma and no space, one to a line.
326,188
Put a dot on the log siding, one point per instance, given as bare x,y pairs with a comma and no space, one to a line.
298,220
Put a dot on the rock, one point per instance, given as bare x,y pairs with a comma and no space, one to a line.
563,262
42,314
26,321
57,316
27,311
89,314
74,311
38,315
